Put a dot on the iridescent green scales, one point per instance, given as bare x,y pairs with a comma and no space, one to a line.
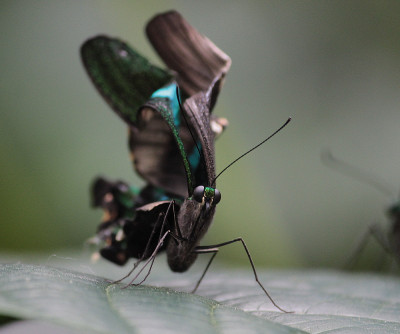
113,66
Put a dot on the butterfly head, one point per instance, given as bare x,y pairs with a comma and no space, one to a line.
206,196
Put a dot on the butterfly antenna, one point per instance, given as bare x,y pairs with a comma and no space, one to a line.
329,160
252,149
178,95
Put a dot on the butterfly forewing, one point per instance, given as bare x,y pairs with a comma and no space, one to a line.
123,77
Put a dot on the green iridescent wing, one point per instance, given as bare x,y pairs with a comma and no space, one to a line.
122,76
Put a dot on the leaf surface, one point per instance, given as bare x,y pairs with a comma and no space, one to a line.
231,302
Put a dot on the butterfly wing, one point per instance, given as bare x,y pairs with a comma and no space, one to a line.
163,149
159,145
197,109
196,60
122,76
137,237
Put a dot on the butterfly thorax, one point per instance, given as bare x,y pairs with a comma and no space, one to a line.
193,221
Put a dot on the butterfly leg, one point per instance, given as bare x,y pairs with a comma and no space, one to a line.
374,231
161,239
214,249
382,238
136,264
360,246
153,257
162,218
211,250
149,261
147,249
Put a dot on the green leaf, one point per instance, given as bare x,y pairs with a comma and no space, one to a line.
323,301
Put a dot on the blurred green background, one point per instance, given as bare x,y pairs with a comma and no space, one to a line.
334,66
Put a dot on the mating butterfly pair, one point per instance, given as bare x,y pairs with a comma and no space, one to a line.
171,144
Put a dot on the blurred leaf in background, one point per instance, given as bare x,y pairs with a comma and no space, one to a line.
333,66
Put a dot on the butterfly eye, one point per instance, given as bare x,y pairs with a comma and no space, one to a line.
217,196
198,193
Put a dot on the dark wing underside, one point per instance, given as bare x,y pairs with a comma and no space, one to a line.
197,109
196,60
159,149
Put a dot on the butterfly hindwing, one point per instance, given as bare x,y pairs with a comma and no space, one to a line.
160,144
198,110
196,60
132,219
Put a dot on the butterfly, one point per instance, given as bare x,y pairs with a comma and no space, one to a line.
171,140
388,240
